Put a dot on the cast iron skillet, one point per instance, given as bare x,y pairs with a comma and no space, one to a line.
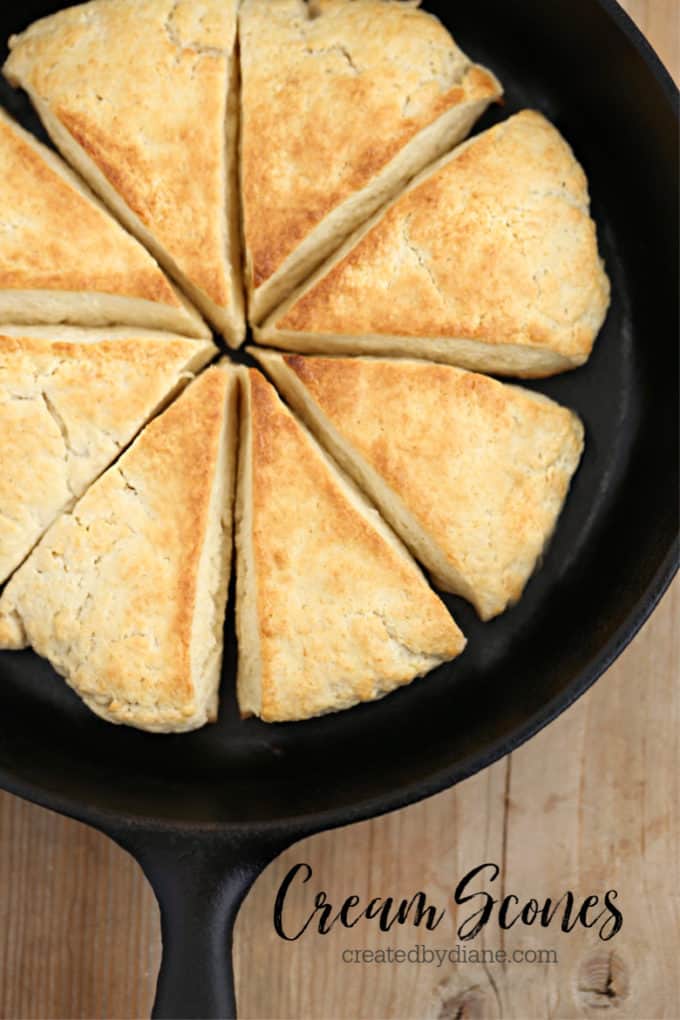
204,813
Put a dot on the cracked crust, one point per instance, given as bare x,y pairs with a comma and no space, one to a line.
471,473
64,258
63,421
125,595
331,609
342,103
488,261
140,96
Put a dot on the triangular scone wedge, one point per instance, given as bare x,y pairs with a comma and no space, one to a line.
70,401
489,261
330,608
470,472
140,97
125,594
65,259
343,101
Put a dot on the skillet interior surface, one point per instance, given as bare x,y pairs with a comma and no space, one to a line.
610,559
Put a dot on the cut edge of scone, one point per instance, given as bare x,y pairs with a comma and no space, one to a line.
420,542
214,569
461,352
64,332
209,593
248,675
251,697
90,308
229,321
232,321
517,360
198,354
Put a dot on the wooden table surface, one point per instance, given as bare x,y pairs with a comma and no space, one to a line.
590,804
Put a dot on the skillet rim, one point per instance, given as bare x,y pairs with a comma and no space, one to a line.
297,826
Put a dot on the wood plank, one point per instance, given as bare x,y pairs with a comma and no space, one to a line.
589,804
79,928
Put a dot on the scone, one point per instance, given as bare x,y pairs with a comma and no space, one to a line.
70,401
64,258
125,594
140,96
330,608
488,261
470,472
343,101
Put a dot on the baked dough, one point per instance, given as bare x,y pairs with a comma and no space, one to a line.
140,96
125,594
63,258
70,400
330,608
488,261
343,101
470,472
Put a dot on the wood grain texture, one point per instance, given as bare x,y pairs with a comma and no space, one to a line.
591,803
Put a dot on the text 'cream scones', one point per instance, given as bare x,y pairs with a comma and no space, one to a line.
488,261
471,473
64,259
343,101
125,594
70,400
330,608
140,96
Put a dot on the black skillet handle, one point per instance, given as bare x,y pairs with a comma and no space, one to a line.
200,881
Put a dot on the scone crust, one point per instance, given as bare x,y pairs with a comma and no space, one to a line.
141,85
53,237
482,466
496,244
109,594
305,149
344,615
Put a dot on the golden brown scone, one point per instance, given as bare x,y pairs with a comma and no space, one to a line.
70,400
63,258
125,594
140,96
343,101
330,608
470,472
488,261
